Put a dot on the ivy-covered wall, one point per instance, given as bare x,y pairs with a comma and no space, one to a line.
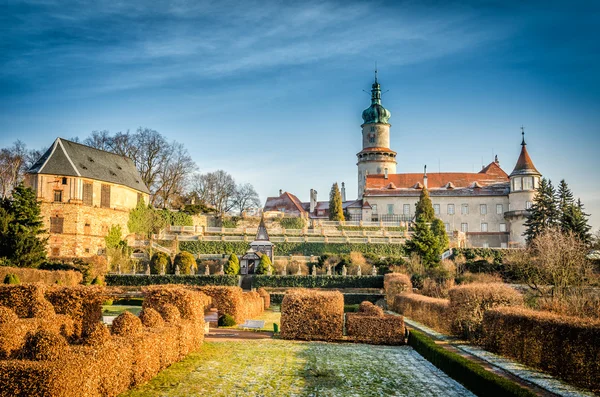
284,249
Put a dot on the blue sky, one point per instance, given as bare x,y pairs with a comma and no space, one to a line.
272,92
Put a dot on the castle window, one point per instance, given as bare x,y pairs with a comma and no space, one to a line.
88,194
390,208
372,129
484,227
528,205
503,227
374,207
56,224
447,225
464,209
371,138
64,181
527,183
436,209
483,209
464,227
58,196
406,209
87,228
450,209
499,209
105,196
517,184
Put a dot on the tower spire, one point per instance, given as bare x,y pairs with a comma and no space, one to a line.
523,135
375,72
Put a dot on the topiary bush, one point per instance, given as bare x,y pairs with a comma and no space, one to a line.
44,345
233,265
160,262
186,263
126,324
151,318
96,335
170,313
225,320
264,265
11,278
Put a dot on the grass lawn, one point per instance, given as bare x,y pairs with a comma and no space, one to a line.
115,310
270,316
289,368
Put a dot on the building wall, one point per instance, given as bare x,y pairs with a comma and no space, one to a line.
84,226
380,133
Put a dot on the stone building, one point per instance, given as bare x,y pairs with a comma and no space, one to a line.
490,207
83,192
260,246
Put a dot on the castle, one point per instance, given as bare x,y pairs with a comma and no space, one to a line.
490,207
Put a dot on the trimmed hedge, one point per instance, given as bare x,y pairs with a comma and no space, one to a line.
470,374
312,315
394,284
28,275
371,325
566,347
321,281
432,312
155,279
304,248
349,299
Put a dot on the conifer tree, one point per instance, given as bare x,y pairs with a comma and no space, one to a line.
264,265
20,229
233,265
424,208
336,211
566,206
425,244
439,231
543,213
581,228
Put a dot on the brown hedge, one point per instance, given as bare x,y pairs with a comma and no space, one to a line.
151,318
126,324
266,297
312,315
566,347
27,275
394,284
190,303
233,301
432,312
105,365
44,345
82,303
469,302
26,300
369,309
379,330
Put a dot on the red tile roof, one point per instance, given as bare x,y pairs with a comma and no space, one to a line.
491,174
524,164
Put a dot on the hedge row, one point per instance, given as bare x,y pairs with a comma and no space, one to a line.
567,347
349,299
471,375
432,312
155,279
371,325
312,315
27,275
320,281
234,301
283,249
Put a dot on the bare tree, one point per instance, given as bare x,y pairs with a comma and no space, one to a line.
245,197
175,171
216,189
100,140
12,167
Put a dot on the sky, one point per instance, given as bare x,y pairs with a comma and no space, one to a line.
272,91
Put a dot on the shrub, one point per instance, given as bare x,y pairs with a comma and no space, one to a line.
264,266
566,347
11,278
26,275
126,324
369,309
394,284
82,304
292,223
225,320
233,265
469,302
470,374
160,262
7,316
185,261
312,315
376,329
266,297
97,335
189,303
141,280
27,300
432,312
151,318
44,345
321,281
170,313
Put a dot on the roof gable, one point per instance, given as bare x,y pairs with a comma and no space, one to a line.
74,159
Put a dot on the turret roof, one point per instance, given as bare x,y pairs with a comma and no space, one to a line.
524,164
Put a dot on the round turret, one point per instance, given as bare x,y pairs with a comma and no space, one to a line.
376,113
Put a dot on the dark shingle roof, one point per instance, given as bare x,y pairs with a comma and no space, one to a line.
74,159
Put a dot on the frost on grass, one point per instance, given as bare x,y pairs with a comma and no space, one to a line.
286,368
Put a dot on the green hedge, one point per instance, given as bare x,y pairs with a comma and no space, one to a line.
349,299
318,281
372,228
283,249
470,374
128,301
140,280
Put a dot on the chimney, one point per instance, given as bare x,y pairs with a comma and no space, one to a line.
313,200
343,192
425,177
385,173
280,192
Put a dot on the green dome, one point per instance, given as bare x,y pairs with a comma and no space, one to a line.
376,113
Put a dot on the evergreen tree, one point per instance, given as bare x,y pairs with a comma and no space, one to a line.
566,206
336,212
580,227
233,265
425,244
439,231
544,212
424,208
20,229
264,265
